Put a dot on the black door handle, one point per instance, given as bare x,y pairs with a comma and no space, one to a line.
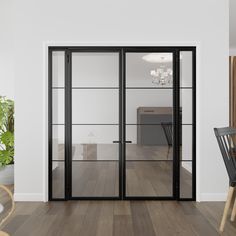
116,141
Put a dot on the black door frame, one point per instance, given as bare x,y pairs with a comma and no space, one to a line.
122,120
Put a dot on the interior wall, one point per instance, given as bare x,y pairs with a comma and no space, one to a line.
6,50
38,23
232,24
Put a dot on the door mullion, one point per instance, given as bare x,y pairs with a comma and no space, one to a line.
123,124
68,110
120,165
176,103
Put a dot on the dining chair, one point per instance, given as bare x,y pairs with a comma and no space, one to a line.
226,138
168,131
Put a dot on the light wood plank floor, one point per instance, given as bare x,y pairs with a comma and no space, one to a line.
118,218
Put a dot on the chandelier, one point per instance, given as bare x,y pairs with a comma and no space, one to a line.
163,74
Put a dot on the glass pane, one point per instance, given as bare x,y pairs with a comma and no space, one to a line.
95,179
149,142
90,151
149,178
58,142
186,179
58,179
186,147
186,105
186,69
95,134
95,158
149,69
95,69
148,106
91,106
149,123
58,69
95,142
58,106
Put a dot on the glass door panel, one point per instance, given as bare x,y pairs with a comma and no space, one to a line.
57,125
95,125
149,125
187,127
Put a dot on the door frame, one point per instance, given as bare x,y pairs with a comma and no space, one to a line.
122,50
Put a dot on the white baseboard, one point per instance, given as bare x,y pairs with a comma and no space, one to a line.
29,197
213,197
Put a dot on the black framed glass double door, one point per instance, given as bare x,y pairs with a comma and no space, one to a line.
122,123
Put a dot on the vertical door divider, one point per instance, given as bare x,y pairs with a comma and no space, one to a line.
120,124
176,103
50,124
124,123
194,74
68,140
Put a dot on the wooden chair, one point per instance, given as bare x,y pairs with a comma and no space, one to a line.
2,233
226,138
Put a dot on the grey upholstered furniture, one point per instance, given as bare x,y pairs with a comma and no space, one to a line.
149,129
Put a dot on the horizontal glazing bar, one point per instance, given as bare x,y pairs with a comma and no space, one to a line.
157,87
155,124
149,87
117,124
118,87
95,87
125,160
95,124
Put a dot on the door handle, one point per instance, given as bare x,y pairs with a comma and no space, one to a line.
116,141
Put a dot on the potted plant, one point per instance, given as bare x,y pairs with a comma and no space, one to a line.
6,141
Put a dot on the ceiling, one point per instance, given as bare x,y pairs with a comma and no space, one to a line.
232,24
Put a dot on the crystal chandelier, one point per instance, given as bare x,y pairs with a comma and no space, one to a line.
162,76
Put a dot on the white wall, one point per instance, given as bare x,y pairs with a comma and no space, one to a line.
120,22
232,27
6,50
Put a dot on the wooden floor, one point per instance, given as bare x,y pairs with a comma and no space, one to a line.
118,218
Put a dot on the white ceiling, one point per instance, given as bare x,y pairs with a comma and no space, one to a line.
232,24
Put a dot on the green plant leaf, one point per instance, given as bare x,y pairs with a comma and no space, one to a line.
6,157
6,131
7,138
